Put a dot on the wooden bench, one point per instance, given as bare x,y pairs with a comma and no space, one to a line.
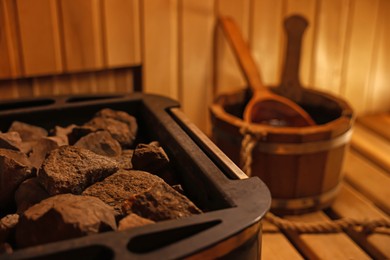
365,194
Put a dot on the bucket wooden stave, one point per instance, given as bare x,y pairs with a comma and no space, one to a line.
302,166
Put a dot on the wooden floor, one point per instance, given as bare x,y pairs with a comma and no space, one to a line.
365,193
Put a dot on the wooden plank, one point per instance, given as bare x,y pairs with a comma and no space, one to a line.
306,8
39,34
227,71
83,83
63,84
24,88
358,64
91,82
43,86
275,245
350,204
372,146
105,81
160,52
331,34
267,38
196,41
82,34
122,32
378,99
379,123
8,89
123,80
324,246
9,42
370,180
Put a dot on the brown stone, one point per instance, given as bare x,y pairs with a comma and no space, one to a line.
7,226
152,158
124,159
115,189
178,188
42,147
120,116
61,217
11,141
29,193
120,131
160,202
28,132
14,169
100,142
20,157
122,127
133,220
27,146
63,132
69,169
78,132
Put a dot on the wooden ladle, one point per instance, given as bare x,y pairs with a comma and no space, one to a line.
291,86
264,107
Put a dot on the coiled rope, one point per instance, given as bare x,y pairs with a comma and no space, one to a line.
331,226
249,142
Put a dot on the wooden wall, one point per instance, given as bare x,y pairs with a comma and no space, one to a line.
67,46
79,46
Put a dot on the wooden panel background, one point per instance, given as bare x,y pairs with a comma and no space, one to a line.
68,46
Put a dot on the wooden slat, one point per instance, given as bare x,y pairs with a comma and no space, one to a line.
83,83
267,37
63,84
359,52
123,80
372,146
122,32
24,88
379,123
82,34
196,31
324,246
275,245
9,41
227,72
105,81
380,92
350,204
40,39
43,86
331,35
160,38
8,89
368,179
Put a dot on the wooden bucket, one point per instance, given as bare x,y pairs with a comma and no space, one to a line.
300,165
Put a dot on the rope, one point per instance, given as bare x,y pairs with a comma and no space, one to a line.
335,226
248,143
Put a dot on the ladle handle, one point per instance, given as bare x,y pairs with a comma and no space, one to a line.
290,86
242,53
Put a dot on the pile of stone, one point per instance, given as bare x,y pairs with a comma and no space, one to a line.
83,179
